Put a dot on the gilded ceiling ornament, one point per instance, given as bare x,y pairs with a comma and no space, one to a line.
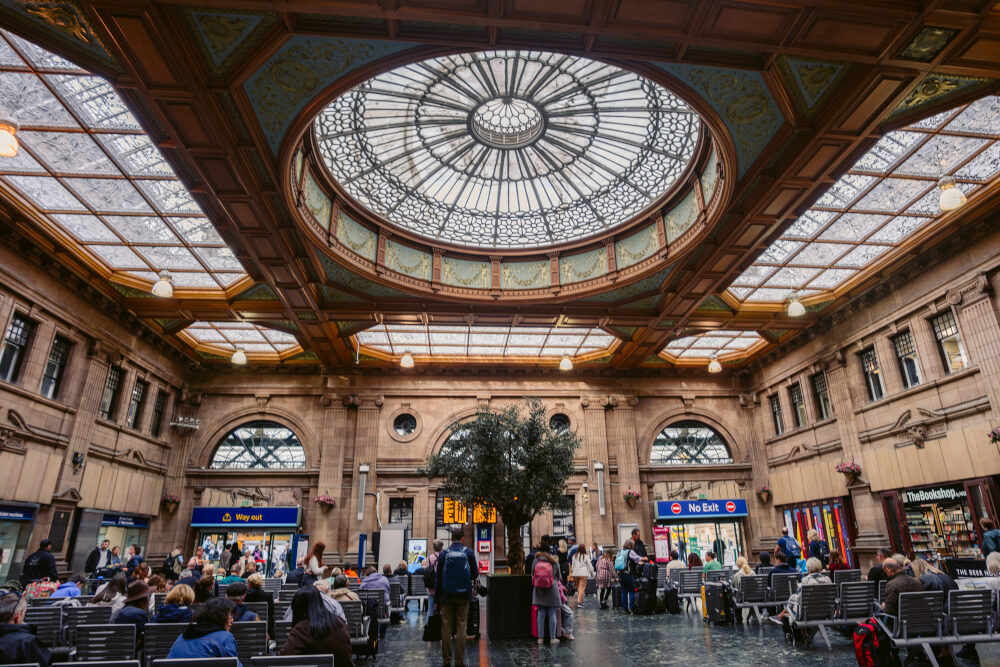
466,274
816,77
63,16
744,103
222,31
931,87
575,269
928,43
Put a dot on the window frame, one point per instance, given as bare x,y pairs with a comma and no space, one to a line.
900,342
697,456
798,405
941,339
159,408
823,409
777,419
136,404
275,447
401,503
55,368
15,350
872,374
561,516
109,401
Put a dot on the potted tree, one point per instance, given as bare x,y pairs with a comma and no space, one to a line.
512,460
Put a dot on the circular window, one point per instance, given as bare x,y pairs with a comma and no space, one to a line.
559,422
405,424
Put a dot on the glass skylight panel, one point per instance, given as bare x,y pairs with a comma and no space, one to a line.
889,193
485,341
718,342
81,158
227,336
507,148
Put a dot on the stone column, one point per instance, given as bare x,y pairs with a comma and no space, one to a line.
174,526
867,509
84,421
980,331
331,471
627,454
926,345
365,454
763,520
595,444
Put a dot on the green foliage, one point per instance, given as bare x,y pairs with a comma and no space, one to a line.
510,459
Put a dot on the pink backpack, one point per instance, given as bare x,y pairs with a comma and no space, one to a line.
542,576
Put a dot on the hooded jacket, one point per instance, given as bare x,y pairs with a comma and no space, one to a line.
19,644
376,581
203,640
66,590
39,565
173,613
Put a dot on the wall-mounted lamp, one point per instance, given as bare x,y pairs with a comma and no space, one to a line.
585,493
77,461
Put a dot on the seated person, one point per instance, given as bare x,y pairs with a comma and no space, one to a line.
340,590
350,573
711,563
676,562
208,636
814,569
71,589
375,581
135,612
765,561
899,582
177,608
234,576
837,562
402,569
781,568
236,593
315,631
18,643
256,593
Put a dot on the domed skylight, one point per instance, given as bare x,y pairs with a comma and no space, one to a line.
507,149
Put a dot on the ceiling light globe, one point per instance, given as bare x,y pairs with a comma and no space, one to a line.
239,357
795,307
951,196
406,361
163,287
566,364
714,366
8,139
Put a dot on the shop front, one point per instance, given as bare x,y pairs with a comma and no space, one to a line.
832,519
17,520
698,526
941,522
269,535
121,530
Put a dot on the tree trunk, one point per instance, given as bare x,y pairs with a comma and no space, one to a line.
515,552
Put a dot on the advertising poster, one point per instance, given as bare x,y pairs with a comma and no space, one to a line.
416,548
661,543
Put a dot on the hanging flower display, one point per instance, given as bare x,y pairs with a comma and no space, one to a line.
995,435
631,497
324,501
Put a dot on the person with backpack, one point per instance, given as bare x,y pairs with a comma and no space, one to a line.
430,568
627,566
991,537
545,581
818,548
790,547
455,584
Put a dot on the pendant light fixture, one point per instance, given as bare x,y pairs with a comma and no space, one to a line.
951,196
714,366
566,364
795,307
164,287
406,361
8,138
239,357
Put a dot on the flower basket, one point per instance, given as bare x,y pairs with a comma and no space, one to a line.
631,497
764,494
995,435
850,470
170,502
325,502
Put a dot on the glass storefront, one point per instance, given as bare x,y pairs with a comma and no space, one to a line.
938,522
124,530
699,526
16,524
828,518
265,534
270,550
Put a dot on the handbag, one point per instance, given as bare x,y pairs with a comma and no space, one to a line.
432,629
42,588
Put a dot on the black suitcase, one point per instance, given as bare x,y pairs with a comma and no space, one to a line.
718,603
673,600
591,587
645,597
472,622
616,596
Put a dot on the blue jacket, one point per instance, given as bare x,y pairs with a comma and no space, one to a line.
66,590
173,613
375,581
790,546
439,593
200,642
241,614
133,616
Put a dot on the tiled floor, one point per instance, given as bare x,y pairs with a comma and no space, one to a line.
613,639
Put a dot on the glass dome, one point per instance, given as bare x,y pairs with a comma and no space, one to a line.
507,149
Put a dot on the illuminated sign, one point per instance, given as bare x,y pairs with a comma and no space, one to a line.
690,509
454,511
205,517
483,514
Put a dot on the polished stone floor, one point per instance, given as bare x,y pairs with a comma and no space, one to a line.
614,639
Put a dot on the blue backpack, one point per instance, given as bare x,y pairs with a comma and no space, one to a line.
456,577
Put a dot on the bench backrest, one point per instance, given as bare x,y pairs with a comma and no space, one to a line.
354,611
843,576
752,588
856,598
220,590
159,599
920,613
690,581
159,638
417,587
196,662
47,622
293,661
715,575
818,602
97,663
272,585
281,632
280,608
970,612
782,585
376,597
73,617
105,642
286,596
674,575
259,608
251,639
881,590
396,591
661,577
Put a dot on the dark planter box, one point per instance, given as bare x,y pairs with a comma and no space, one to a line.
508,606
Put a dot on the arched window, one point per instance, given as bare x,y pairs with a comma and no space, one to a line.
259,445
689,443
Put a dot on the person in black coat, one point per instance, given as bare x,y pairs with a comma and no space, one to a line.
18,643
98,558
256,593
40,565
638,546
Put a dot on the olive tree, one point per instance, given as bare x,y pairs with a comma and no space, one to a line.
511,459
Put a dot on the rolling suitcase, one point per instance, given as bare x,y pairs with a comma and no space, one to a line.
472,623
616,596
673,600
645,597
716,600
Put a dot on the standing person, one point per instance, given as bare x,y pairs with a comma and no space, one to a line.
99,558
790,547
605,577
225,559
573,547
581,570
545,593
626,564
208,636
637,544
134,559
430,569
562,553
316,631
818,548
837,562
454,587
40,565
991,537
719,548
595,553
116,557
18,643
313,564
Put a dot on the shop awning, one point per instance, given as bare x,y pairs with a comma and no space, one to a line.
693,510
245,517
16,513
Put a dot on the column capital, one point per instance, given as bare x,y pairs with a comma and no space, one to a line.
623,401
331,401
969,292
370,402
595,402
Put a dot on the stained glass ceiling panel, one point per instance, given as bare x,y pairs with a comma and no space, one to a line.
890,193
434,340
87,166
721,342
253,338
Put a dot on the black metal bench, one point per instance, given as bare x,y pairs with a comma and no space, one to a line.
816,608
